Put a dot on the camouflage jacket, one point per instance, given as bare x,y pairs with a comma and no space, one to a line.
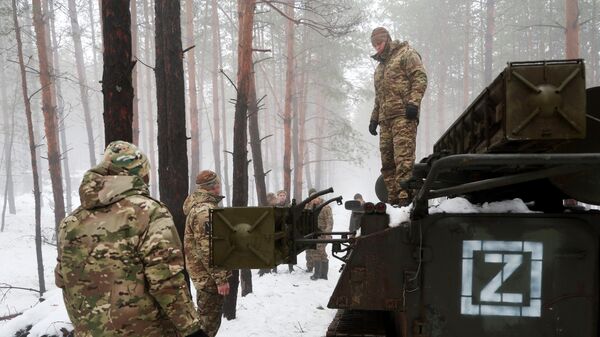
120,262
400,79
326,220
197,207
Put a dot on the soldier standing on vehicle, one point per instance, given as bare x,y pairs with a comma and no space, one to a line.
318,257
400,83
120,261
211,284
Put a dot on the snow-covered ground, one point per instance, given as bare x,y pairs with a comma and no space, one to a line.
281,305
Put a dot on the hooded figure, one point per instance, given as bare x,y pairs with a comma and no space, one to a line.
120,261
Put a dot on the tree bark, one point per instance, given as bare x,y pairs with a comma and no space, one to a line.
81,77
9,194
193,94
466,55
289,89
149,107
50,117
256,144
134,75
216,46
116,79
572,29
60,106
240,135
490,30
32,151
95,49
170,93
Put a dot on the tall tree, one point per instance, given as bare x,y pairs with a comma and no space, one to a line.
193,93
50,117
134,75
81,77
170,96
216,47
151,121
289,90
256,143
116,78
240,138
32,151
572,29
9,124
490,29
60,106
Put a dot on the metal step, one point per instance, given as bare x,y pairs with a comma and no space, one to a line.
355,323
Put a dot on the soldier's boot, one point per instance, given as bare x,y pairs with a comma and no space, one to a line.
324,269
274,270
291,268
317,274
261,272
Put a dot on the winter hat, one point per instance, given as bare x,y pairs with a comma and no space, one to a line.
127,156
281,192
312,191
357,196
207,179
379,35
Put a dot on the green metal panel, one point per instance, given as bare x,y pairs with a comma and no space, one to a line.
251,237
545,100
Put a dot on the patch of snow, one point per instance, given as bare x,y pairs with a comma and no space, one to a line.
462,205
281,305
47,318
399,215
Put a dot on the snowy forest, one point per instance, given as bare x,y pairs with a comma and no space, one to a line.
271,95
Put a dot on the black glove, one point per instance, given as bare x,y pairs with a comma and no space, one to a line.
373,128
199,333
412,112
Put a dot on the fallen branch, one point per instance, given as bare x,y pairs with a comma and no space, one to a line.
9,317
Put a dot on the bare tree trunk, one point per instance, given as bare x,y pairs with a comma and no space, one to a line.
134,75
256,144
216,45
50,118
466,55
193,94
116,79
170,93
149,107
320,131
60,106
9,194
95,48
240,137
489,40
224,133
572,29
299,122
289,89
81,77
32,150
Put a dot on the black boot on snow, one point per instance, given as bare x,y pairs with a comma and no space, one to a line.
317,274
324,270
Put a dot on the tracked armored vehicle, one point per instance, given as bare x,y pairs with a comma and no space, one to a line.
533,134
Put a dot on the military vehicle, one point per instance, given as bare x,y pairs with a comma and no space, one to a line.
533,134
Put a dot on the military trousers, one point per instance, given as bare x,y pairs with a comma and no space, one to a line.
397,144
210,308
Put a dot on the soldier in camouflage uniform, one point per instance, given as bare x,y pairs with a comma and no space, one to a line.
120,261
211,284
318,257
400,83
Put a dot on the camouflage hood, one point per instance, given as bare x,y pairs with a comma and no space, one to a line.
200,196
106,184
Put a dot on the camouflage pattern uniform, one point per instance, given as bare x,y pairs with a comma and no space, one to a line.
196,242
120,262
325,224
400,80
